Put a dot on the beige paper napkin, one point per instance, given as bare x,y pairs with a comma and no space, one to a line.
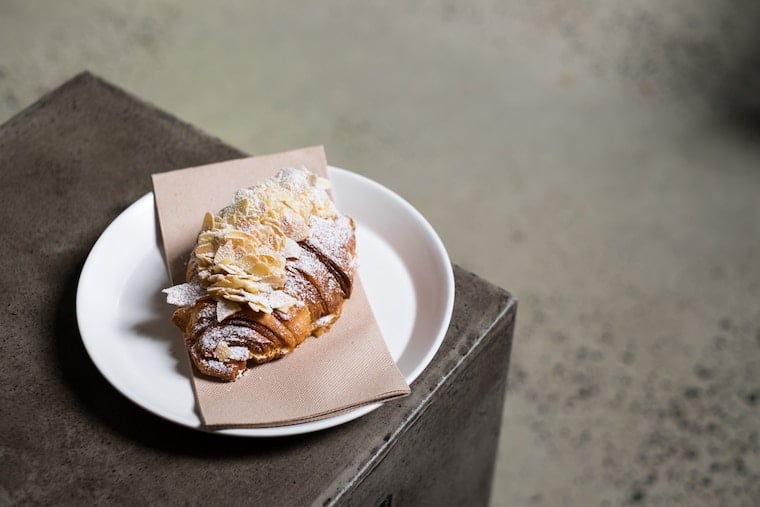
345,368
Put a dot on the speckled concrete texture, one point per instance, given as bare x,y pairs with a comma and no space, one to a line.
601,160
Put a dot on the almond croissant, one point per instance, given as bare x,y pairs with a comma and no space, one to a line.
267,272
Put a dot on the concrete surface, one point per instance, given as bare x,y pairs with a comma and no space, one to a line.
601,160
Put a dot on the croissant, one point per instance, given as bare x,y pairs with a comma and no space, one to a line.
230,316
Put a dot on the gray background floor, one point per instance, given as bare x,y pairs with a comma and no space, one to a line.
601,160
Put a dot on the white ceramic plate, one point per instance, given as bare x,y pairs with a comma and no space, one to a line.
124,319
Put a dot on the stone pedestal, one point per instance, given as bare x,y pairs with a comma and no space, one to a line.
69,164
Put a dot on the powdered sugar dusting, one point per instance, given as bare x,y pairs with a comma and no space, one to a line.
231,335
185,294
334,239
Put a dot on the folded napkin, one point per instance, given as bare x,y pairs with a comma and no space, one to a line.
347,367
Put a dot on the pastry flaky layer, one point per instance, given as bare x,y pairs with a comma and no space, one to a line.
286,294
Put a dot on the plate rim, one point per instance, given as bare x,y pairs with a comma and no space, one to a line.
283,430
